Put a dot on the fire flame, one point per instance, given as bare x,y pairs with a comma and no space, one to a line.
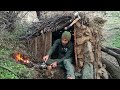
22,58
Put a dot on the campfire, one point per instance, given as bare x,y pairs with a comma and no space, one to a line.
24,59
21,58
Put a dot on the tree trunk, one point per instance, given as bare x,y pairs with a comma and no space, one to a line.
114,49
112,53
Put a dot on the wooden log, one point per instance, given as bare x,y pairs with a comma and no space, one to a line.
112,69
112,53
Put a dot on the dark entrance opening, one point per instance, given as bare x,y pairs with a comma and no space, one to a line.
57,35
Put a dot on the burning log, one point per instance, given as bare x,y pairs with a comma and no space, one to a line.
22,58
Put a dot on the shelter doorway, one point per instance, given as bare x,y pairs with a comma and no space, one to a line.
57,35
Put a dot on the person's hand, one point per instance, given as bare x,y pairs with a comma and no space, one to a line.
45,58
54,64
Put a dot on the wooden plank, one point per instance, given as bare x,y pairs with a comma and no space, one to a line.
48,42
43,45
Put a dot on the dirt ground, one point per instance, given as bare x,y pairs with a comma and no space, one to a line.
57,73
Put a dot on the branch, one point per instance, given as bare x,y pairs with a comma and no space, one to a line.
38,32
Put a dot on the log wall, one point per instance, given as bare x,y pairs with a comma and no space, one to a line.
40,45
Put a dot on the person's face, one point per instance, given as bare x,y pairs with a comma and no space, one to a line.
64,41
